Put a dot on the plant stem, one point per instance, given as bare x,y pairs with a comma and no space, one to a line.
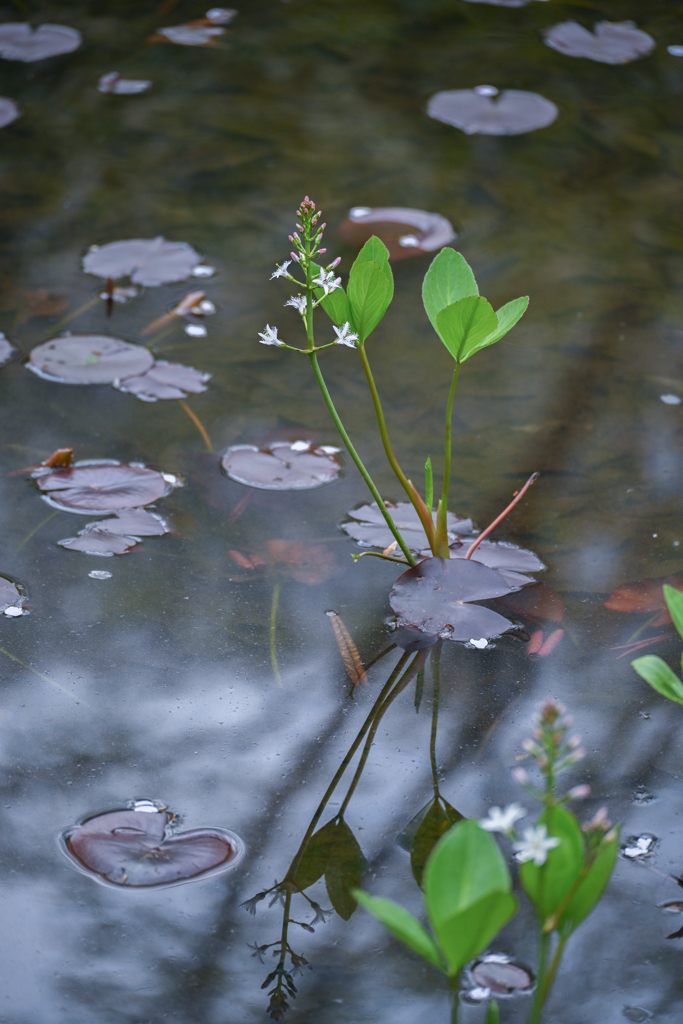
544,984
434,662
441,515
518,496
455,1002
420,507
535,1015
198,424
273,633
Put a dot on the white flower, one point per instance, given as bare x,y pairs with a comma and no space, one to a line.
502,821
344,335
269,336
534,845
299,303
281,270
327,281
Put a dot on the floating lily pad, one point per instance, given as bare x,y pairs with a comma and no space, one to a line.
405,232
612,42
190,35
165,380
500,975
283,466
9,111
102,486
510,561
434,597
147,261
113,82
11,600
6,349
118,535
476,110
137,848
99,541
18,41
88,359
368,527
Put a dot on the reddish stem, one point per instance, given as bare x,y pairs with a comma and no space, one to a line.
518,496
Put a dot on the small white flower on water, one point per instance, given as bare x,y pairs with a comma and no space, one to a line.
345,336
327,281
480,644
299,303
502,821
281,270
534,845
269,336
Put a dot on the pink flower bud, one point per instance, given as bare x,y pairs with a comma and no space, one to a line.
520,775
295,257
322,250
579,792
334,263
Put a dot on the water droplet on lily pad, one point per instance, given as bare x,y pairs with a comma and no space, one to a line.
430,231
147,261
611,42
283,466
511,113
165,380
18,41
9,111
101,486
88,359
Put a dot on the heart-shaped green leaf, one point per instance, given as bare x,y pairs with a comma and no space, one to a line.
448,279
375,251
660,677
464,326
591,888
547,884
401,923
468,933
370,292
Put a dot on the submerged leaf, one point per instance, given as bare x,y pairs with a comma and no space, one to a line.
345,869
645,596
88,359
305,563
165,380
404,231
369,528
104,486
348,650
283,466
612,42
147,261
18,41
513,113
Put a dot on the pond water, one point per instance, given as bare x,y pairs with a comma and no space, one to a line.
156,682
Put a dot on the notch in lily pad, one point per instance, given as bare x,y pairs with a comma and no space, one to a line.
19,41
611,42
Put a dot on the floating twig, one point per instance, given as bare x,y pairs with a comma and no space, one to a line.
198,424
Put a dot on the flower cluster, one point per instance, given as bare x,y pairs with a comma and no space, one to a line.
554,751
535,842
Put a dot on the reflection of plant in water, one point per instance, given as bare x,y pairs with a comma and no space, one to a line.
467,886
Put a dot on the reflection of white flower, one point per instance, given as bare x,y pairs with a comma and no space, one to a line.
534,845
281,271
269,336
299,303
502,821
344,335
327,281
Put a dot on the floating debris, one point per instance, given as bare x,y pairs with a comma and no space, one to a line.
9,111
18,41
475,110
638,847
113,82
201,32
6,349
283,466
88,359
165,380
138,848
368,527
11,599
404,231
116,536
348,650
100,574
612,42
103,485
147,261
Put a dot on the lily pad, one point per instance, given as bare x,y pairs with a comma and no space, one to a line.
88,359
113,82
147,261
136,848
434,597
165,380
99,541
18,41
476,110
612,42
404,231
283,466
102,486
6,349
11,600
190,35
500,975
9,111
368,527
510,561
118,535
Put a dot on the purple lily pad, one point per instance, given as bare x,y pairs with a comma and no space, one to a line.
476,110
284,466
405,232
501,976
118,535
190,35
88,359
113,82
612,42
6,349
18,41
367,526
136,848
11,600
147,261
99,541
9,111
165,380
434,597
102,486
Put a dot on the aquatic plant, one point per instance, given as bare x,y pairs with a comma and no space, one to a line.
464,321
653,669
564,868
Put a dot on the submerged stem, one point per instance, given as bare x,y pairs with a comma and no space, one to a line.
198,424
436,689
441,515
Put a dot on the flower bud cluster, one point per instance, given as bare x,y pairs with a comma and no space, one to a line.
554,751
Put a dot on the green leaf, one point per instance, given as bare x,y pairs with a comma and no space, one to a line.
507,317
674,602
316,856
448,279
435,822
401,923
591,888
465,867
464,325
375,251
658,674
345,869
468,933
429,484
547,885
370,292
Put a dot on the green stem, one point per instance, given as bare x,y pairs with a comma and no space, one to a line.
420,507
455,1000
273,631
285,927
544,984
441,520
434,661
540,974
